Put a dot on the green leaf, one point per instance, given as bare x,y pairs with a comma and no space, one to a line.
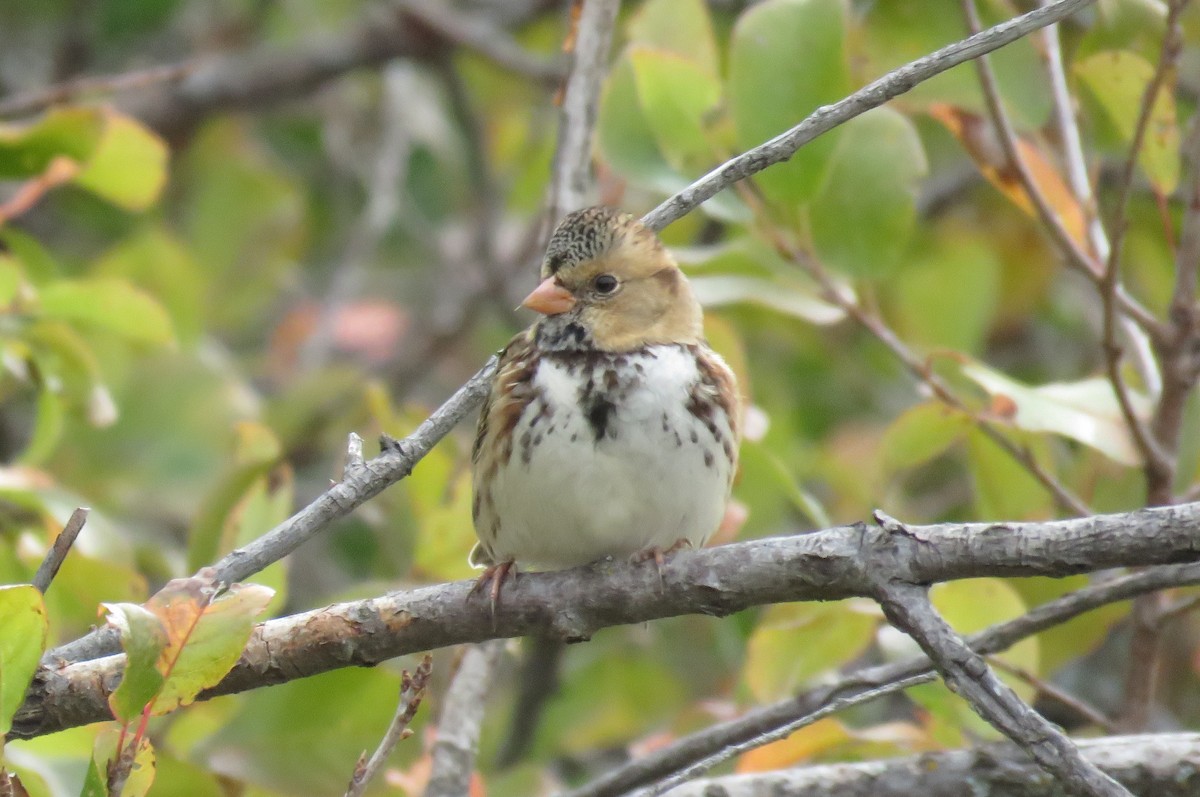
12,277
110,304
1118,79
128,166
628,144
1086,411
212,535
946,295
781,655
143,638
299,735
47,428
920,434
155,260
39,264
205,633
787,59
864,212
27,150
682,27
794,299
676,95
22,639
1076,637
973,604
626,139
1004,489
445,535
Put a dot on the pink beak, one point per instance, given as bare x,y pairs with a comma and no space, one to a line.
549,298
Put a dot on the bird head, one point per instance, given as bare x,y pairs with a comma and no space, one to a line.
608,283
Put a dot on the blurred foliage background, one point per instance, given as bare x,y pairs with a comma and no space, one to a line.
202,297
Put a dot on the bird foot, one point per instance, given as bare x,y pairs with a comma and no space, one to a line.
496,575
659,555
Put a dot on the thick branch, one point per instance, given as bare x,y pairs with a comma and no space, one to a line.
760,723
1158,764
574,604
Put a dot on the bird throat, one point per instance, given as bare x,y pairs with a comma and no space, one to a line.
558,333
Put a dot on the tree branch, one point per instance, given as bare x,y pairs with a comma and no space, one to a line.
258,78
412,690
360,482
876,93
459,725
1159,764
59,550
571,170
761,722
908,607
573,604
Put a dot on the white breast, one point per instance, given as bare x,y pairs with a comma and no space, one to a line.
613,468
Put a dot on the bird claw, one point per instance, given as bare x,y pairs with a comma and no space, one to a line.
659,556
496,574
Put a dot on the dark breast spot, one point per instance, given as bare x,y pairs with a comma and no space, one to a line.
599,413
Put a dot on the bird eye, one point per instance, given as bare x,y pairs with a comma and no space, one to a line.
605,283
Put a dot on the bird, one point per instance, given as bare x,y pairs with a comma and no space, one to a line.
610,427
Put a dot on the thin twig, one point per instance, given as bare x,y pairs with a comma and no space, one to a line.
1141,351
264,77
412,690
1106,281
919,368
874,94
908,607
60,170
39,99
1158,451
782,732
1179,380
694,747
459,725
1072,144
1084,710
1075,256
59,550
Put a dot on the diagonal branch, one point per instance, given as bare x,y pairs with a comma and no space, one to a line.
797,711
907,607
874,94
361,481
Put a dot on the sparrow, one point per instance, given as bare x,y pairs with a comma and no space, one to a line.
610,428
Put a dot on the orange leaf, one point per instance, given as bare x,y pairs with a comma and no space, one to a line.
802,745
979,139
